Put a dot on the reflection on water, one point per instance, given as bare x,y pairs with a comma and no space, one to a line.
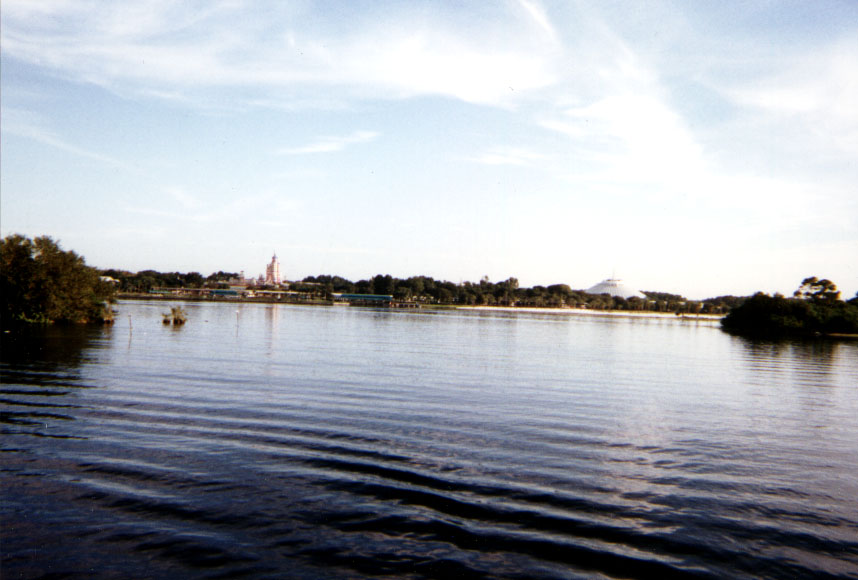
814,362
270,441
272,317
49,346
40,367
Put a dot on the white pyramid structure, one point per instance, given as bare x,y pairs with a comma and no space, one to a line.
615,287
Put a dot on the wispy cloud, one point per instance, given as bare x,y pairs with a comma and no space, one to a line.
185,48
539,16
647,137
688,121
330,144
33,126
507,156
819,93
183,198
329,249
175,203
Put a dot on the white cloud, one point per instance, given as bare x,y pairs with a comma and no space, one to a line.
537,13
652,138
331,144
434,62
213,207
507,156
329,249
674,124
819,92
168,48
183,198
33,126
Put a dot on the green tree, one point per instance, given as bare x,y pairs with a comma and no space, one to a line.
363,287
402,292
194,280
444,295
42,283
382,284
817,290
814,310
417,285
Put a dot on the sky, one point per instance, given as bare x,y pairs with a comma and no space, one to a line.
699,148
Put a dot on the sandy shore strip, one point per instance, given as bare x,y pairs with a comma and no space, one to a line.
585,312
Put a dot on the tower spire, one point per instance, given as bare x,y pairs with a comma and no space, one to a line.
272,271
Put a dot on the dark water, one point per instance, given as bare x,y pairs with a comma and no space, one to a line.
267,441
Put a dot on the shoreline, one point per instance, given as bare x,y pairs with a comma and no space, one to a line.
233,299
587,312
525,309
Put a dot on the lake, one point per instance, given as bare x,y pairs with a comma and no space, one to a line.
277,441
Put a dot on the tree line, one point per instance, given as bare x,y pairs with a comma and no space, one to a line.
147,280
41,283
507,293
425,289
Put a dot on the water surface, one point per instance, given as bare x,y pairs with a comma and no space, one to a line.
271,441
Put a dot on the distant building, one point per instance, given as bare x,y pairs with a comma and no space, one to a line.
615,287
272,272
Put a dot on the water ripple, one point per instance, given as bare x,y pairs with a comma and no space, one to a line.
341,443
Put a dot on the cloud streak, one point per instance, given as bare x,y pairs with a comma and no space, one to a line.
719,127
820,93
181,206
330,144
180,49
539,16
507,156
29,125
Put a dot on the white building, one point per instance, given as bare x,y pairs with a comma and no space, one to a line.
614,287
272,272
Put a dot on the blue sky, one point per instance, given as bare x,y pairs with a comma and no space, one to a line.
692,147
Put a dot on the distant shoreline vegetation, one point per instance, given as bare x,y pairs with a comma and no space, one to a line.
42,284
422,290
814,310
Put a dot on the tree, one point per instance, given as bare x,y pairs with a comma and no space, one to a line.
363,287
42,283
382,284
817,290
814,310
220,276
194,279
402,292
417,285
444,295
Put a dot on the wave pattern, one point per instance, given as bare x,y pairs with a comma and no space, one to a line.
310,443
